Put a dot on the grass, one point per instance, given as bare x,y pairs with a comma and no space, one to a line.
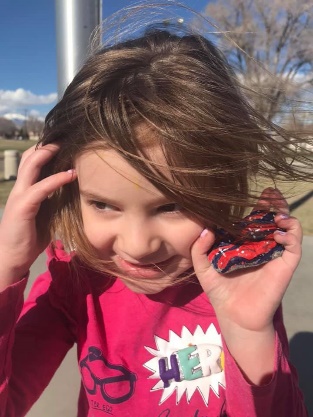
294,191
16,145
305,214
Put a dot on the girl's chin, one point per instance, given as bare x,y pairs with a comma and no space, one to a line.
167,270
145,287
153,278
148,271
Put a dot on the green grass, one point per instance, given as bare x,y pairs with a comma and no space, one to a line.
16,145
305,214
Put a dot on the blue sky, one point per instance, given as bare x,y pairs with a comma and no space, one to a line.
28,75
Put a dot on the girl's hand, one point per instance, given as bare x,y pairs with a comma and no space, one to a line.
20,243
245,301
251,296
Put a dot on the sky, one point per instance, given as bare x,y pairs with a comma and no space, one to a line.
28,63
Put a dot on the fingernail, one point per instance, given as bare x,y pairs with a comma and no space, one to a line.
284,216
204,232
280,232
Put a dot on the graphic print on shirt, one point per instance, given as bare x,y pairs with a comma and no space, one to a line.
115,383
188,363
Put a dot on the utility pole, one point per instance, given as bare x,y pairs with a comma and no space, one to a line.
75,22
25,130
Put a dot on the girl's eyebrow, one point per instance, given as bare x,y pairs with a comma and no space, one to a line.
158,200
94,196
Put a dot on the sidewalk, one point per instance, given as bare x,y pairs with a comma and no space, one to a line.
60,398
298,316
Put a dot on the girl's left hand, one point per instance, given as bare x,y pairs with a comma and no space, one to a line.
249,298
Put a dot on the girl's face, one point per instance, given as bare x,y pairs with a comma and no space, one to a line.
130,223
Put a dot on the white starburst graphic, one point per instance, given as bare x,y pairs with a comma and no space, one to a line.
188,363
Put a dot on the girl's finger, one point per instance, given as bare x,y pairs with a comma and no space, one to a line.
25,205
29,170
27,153
272,198
290,236
199,252
263,202
289,225
279,202
43,189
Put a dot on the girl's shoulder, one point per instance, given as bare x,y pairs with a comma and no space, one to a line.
69,274
57,251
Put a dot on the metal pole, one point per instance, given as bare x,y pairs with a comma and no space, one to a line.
75,22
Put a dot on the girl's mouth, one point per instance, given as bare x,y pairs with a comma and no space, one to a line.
143,271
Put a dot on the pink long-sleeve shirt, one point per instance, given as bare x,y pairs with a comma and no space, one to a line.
158,356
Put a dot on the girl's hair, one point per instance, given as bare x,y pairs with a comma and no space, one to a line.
177,91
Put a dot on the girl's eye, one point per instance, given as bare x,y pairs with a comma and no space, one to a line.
98,205
170,208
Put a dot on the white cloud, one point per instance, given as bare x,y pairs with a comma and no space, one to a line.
11,100
34,113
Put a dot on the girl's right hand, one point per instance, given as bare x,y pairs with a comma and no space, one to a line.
20,243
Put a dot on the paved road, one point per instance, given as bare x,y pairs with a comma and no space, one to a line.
59,399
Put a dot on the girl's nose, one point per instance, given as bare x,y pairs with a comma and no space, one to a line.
139,241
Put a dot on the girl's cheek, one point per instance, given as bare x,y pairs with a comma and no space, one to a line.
185,241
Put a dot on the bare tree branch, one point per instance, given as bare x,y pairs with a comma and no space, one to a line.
271,46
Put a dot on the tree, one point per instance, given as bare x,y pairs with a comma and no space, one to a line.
35,125
23,133
271,46
7,128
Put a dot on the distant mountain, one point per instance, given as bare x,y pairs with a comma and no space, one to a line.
19,119
16,118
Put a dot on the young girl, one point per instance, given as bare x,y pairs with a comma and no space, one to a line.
146,157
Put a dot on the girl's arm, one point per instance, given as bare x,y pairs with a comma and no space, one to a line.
245,302
31,347
280,396
20,241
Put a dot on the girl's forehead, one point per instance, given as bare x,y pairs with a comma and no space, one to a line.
101,162
147,141
105,170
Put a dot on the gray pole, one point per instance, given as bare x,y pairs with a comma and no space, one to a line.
75,22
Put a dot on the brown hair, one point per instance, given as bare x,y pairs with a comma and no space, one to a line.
180,87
